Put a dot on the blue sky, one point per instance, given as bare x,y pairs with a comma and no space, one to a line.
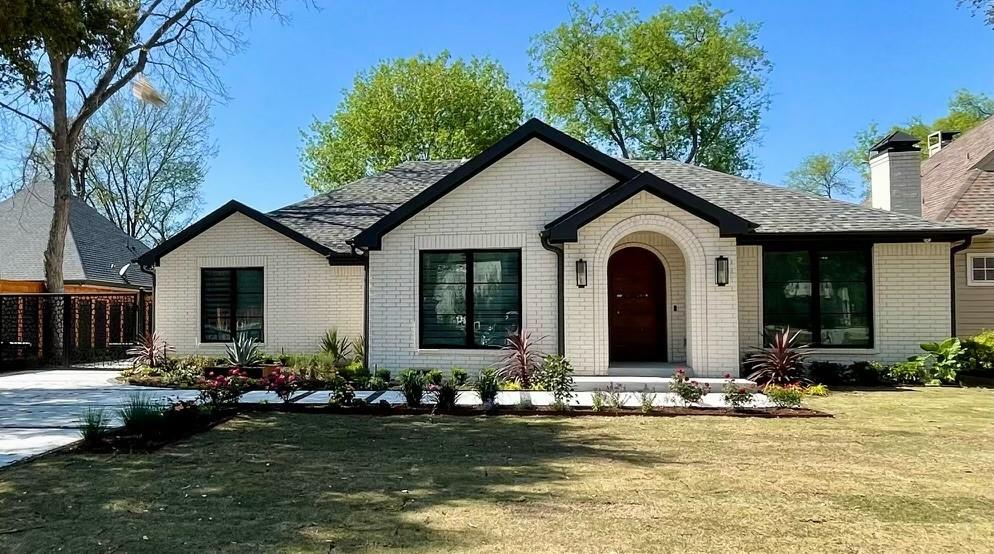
836,67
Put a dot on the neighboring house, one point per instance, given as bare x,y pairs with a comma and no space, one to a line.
621,265
96,250
957,184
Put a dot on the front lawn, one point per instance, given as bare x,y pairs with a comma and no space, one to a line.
901,471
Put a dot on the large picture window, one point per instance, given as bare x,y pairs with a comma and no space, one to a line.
231,303
823,293
469,298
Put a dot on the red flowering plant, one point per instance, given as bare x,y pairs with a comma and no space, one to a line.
218,390
688,390
736,395
284,383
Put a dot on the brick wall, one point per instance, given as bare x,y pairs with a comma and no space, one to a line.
304,296
910,301
505,206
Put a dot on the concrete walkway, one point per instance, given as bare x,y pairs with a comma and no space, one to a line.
39,409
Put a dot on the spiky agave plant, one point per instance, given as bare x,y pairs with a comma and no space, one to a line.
244,351
780,363
521,359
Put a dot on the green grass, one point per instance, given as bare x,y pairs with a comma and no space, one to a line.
895,471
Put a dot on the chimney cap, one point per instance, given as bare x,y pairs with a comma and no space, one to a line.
898,141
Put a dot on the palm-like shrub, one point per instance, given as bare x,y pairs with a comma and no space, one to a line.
521,359
244,351
487,385
335,347
412,384
150,351
780,363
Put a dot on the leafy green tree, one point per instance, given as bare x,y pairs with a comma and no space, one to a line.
685,85
824,175
411,109
61,60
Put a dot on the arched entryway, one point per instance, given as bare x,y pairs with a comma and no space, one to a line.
636,306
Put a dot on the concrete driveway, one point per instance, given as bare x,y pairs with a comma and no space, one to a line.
39,409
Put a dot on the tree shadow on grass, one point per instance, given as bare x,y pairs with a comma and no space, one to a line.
308,482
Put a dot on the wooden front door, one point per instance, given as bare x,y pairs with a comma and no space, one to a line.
637,306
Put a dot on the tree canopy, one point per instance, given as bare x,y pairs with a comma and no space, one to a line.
822,174
416,108
686,85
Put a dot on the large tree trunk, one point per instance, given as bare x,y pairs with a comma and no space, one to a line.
62,144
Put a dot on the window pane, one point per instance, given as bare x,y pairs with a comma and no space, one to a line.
443,299
787,290
249,302
496,300
844,297
978,263
215,293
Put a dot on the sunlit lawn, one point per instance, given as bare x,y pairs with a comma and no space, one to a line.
900,471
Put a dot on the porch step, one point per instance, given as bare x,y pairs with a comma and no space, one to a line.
638,384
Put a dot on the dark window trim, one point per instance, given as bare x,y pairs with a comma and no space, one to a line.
813,249
470,343
233,299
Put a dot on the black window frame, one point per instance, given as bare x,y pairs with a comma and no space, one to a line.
233,299
470,340
814,250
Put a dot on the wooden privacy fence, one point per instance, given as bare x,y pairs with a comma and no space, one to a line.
70,329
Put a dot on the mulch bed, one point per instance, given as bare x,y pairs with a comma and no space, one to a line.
124,441
664,411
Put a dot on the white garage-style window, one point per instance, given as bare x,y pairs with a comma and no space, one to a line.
980,269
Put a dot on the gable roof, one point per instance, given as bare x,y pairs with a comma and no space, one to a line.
153,256
958,180
564,229
372,236
95,249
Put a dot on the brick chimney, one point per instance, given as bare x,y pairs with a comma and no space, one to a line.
895,174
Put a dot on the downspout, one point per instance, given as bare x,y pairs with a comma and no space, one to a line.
365,303
952,281
560,290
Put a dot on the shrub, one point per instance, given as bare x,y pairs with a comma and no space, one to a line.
335,347
142,416
93,425
781,363
816,390
942,359
556,376
342,392
412,383
829,373
356,373
433,377
383,375
511,385
315,370
978,354
868,374
284,383
446,394
151,351
220,390
789,396
377,383
911,372
244,351
181,416
487,386
736,395
615,398
521,359
598,400
460,376
688,390
647,400
358,345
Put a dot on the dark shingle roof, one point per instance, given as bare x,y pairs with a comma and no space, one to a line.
782,210
334,217
95,251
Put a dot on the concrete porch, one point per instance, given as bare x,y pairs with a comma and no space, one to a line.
654,376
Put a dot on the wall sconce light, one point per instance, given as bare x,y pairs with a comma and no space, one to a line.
581,273
721,271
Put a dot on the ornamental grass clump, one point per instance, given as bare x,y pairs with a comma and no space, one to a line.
150,351
647,400
689,391
143,416
780,363
93,425
487,385
412,384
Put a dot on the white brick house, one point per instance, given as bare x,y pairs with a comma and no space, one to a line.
620,265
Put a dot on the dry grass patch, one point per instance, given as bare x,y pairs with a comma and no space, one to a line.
905,471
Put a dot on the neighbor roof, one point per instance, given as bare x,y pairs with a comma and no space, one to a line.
95,250
958,180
